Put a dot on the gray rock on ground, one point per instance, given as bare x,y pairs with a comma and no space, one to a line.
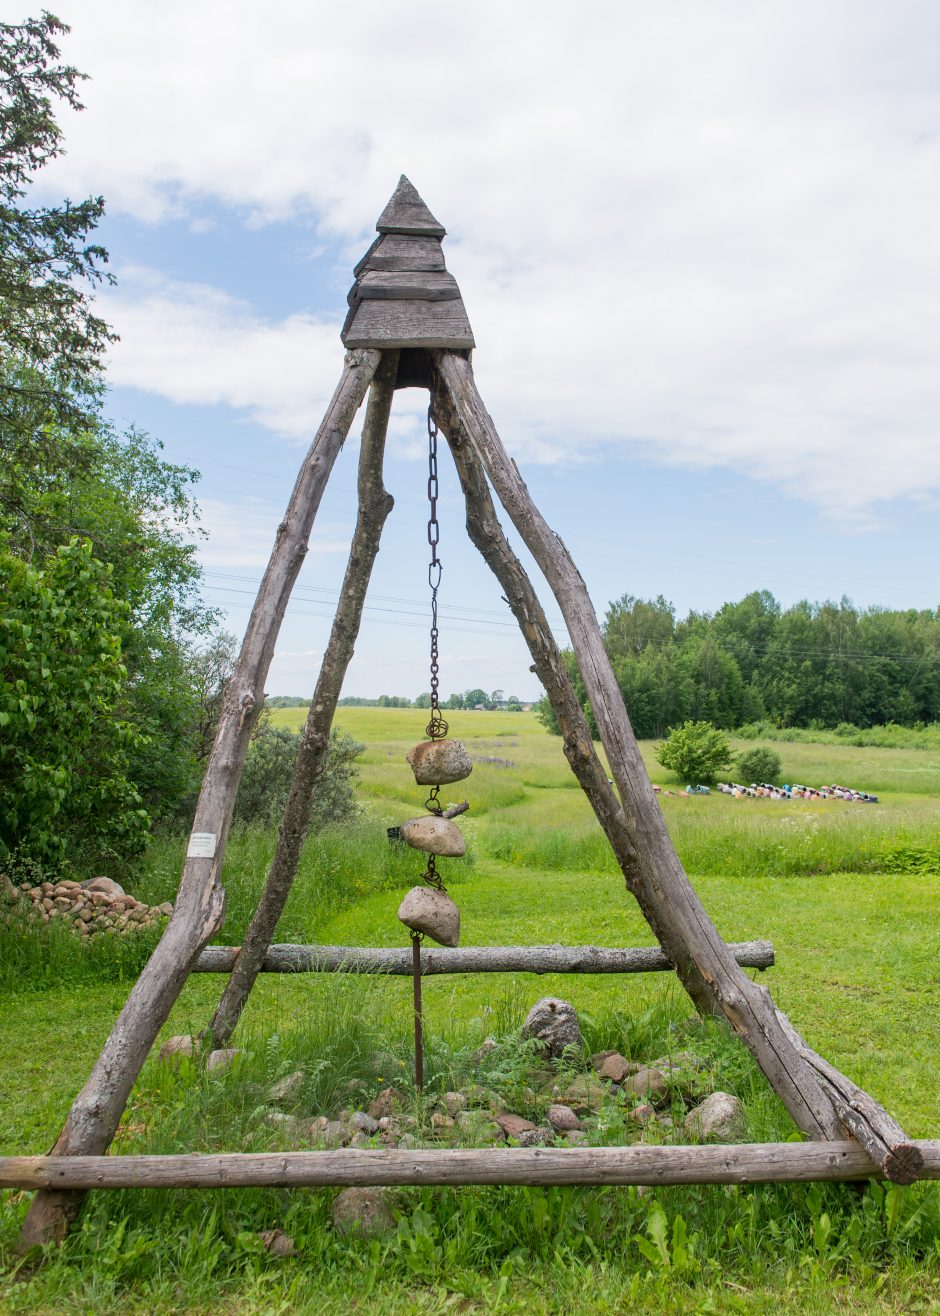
277,1242
616,1067
555,1024
562,1118
720,1117
331,1133
181,1045
585,1094
513,1125
432,912
287,1090
387,1103
222,1058
538,1137
105,884
647,1084
363,1122
454,1103
363,1211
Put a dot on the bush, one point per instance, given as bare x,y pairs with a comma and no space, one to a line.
64,741
758,764
262,792
696,752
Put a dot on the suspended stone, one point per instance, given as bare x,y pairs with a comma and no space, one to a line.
438,762
424,909
434,835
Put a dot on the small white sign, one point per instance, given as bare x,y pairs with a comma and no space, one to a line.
201,845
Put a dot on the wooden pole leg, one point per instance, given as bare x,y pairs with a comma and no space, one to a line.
200,904
374,507
654,873
821,1101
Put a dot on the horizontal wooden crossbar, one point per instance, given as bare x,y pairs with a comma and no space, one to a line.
742,1163
471,959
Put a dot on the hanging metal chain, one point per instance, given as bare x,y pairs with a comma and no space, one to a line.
437,725
432,876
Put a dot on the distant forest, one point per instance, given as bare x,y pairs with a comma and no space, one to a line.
814,665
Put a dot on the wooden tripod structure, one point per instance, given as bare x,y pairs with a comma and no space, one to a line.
407,328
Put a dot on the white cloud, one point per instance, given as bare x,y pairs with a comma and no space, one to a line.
708,232
196,344
241,535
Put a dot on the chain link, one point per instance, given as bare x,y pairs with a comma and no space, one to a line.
432,876
437,725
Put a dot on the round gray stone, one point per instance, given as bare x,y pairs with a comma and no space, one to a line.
362,1211
555,1023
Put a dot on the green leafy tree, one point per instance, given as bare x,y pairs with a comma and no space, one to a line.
758,764
696,752
423,701
53,341
65,746
473,697
633,625
265,780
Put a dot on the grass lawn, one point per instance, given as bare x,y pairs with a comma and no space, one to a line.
849,894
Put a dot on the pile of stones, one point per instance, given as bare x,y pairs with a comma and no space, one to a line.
578,1101
600,1100
99,905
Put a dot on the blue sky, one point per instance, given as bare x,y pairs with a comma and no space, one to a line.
699,247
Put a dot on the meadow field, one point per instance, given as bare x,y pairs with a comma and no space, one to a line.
848,893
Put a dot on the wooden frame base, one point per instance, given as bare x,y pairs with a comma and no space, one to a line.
738,1163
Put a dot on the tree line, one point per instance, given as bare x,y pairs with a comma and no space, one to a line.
473,698
813,665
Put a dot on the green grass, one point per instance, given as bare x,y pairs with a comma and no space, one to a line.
850,895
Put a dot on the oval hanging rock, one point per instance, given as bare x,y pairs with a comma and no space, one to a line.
438,762
425,909
434,835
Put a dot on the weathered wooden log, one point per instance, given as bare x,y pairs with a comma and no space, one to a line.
374,507
651,867
740,1163
895,1154
286,958
200,904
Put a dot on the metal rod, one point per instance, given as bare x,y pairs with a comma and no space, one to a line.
419,1026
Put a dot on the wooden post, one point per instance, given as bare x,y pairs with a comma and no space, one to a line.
200,904
654,873
374,507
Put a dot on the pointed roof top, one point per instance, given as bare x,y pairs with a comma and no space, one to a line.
407,213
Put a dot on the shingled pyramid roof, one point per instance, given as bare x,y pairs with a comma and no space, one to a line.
403,296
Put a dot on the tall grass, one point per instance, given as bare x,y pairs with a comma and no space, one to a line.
743,839
888,736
